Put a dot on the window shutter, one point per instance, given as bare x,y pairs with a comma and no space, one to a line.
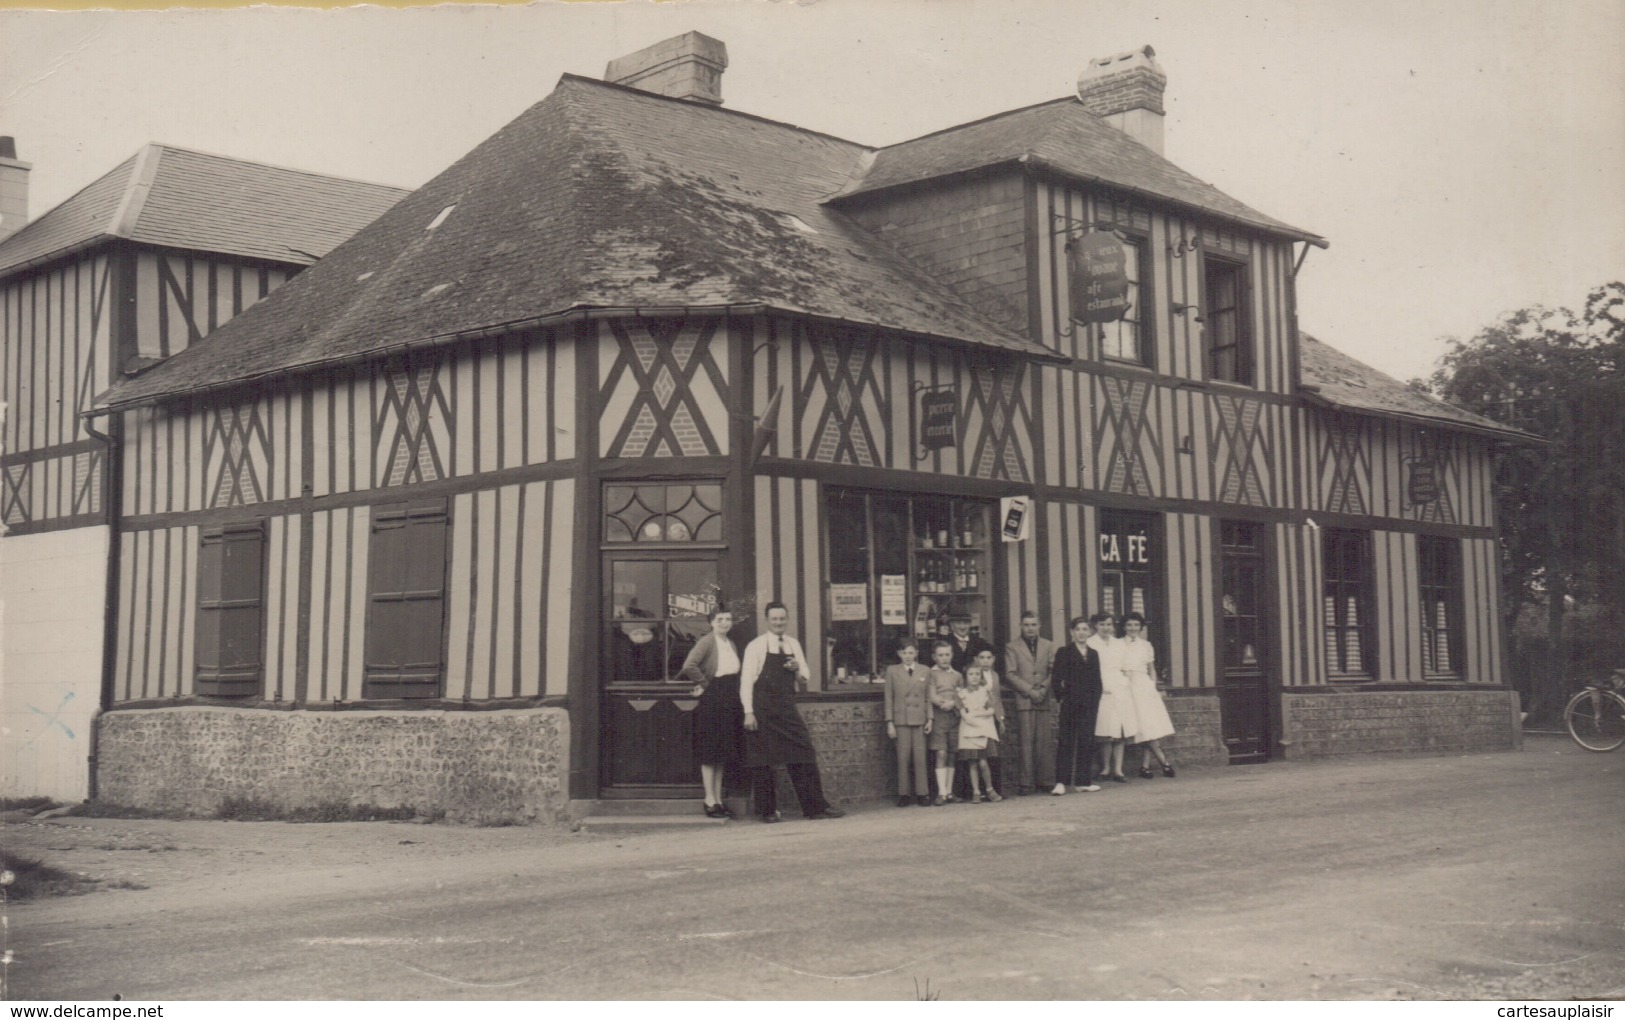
230,618
407,579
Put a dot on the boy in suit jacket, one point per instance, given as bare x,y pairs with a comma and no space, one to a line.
908,720
1027,662
1076,676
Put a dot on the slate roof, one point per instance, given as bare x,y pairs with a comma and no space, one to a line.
1334,378
1062,137
598,197
178,198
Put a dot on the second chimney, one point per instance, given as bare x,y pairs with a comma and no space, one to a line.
13,188
688,66
1126,90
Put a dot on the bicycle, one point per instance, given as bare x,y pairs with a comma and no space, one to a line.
1596,716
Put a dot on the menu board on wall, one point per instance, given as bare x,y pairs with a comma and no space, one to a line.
893,601
848,602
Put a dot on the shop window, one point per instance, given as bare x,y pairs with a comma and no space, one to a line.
1346,561
406,585
1439,575
901,566
1128,339
655,512
1227,333
230,610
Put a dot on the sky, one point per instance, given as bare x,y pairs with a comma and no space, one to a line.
1463,158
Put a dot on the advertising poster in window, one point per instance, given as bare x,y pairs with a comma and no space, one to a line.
848,602
893,601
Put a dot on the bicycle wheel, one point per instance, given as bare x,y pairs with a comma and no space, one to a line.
1596,720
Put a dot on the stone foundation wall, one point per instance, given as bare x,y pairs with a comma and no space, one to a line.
857,762
1198,731
483,767
1327,723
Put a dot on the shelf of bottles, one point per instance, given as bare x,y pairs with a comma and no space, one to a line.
951,570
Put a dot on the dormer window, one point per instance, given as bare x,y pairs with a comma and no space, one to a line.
1227,333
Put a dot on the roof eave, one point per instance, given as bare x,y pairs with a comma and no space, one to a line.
574,313
1312,395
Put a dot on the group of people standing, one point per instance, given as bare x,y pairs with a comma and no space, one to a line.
1078,707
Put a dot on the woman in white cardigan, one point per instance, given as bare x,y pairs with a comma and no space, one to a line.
719,732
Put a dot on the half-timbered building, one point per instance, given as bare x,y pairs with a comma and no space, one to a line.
139,265
435,523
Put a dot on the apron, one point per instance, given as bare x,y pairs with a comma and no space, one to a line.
780,737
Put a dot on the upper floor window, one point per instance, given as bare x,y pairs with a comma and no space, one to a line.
230,609
1346,561
1127,339
1439,577
1227,332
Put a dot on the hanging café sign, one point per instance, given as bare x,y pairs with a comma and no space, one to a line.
1098,276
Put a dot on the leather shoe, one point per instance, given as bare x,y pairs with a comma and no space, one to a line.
1146,773
774,817
922,800
714,811
828,812
905,801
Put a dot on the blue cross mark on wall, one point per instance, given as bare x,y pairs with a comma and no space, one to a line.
55,718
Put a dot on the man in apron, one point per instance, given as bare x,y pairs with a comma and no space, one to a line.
774,731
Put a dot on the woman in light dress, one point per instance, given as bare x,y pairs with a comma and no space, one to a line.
1137,660
1116,724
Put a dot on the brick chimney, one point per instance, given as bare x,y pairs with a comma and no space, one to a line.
13,188
1125,89
687,66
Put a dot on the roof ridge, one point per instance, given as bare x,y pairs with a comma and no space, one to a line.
980,120
277,166
693,104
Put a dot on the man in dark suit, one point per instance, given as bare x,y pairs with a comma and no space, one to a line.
1076,679
1027,663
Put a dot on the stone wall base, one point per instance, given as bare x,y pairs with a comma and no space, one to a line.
481,767
1335,722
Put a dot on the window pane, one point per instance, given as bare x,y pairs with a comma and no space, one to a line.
692,590
636,590
681,637
636,654
849,545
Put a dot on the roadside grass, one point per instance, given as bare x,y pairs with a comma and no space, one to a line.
33,804
24,878
254,809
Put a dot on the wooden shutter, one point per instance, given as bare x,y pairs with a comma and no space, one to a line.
231,617
406,579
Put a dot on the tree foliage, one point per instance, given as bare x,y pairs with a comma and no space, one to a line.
1561,506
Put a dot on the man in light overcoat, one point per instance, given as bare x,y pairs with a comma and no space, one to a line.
1027,663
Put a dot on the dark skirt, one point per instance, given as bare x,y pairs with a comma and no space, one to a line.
719,723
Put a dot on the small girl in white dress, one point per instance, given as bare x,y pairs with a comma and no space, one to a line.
981,710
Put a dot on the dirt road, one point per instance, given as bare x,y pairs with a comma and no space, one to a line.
1454,877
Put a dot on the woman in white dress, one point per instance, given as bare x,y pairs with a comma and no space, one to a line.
1138,661
1116,723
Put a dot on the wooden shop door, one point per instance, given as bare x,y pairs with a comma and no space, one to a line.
1246,622
655,610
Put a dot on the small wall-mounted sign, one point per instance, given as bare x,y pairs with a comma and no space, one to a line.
893,601
1098,275
937,419
1015,517
1423,484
